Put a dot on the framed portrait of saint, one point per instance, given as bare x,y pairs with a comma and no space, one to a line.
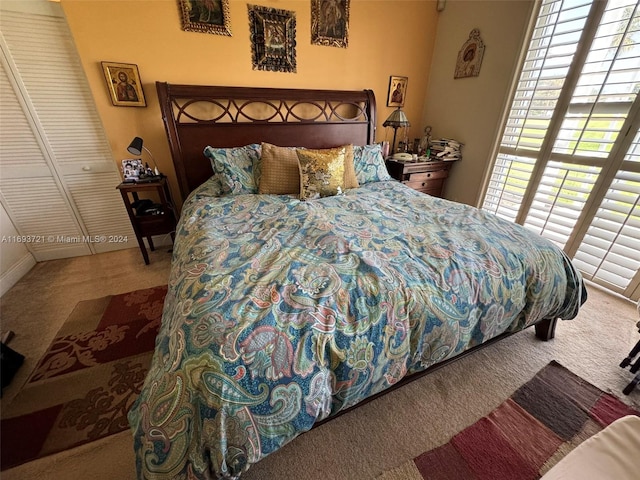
397,91
205,16
124,85
330,23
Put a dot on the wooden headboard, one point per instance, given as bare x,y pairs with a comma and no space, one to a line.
196,116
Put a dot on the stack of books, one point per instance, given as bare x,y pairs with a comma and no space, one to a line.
446,149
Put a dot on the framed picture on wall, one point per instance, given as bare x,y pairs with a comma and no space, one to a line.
397,91
470,56
273,38
205,16
330,23
124,85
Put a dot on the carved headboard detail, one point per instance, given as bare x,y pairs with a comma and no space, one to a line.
196,116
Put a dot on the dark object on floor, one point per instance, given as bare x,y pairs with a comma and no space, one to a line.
6,336
634,367
10,362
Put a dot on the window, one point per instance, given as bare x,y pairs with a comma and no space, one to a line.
568,162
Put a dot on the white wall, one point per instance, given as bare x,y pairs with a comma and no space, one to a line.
15,259
470,109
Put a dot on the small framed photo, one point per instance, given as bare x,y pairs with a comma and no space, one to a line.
397,91
205,16
123,82
132,169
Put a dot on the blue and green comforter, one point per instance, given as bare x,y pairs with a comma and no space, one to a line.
281,313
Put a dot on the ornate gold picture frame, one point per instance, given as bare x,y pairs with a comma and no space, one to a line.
273,38
206,16
330,23
124,84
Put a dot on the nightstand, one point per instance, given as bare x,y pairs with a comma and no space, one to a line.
151,217
426,177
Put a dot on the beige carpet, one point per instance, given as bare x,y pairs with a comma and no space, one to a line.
375,438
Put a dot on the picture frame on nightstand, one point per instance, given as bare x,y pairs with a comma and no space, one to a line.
131,169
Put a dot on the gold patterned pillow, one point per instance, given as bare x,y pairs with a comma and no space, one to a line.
321,172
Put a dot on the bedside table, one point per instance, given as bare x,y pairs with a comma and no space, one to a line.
160,221
425,177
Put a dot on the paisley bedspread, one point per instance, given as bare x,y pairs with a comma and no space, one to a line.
281,313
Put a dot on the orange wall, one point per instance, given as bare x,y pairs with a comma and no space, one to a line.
385,38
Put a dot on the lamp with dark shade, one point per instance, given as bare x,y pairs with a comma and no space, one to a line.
136,147
396,120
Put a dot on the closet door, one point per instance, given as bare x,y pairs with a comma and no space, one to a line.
68,194
29,190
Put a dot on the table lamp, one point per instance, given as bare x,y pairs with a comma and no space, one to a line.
136,147
396,120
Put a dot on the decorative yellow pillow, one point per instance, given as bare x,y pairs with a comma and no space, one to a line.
321,172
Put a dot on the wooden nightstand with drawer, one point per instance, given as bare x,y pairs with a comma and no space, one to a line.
426,177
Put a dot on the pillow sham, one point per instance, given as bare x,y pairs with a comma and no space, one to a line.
369,164
238,168
321,172
281,173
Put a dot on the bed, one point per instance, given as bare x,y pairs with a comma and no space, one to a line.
283,313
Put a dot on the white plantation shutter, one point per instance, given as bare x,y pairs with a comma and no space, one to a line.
560,199
606,88
508,184
568,162
610,250
551,52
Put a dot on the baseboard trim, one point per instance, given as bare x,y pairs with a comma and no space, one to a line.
18,270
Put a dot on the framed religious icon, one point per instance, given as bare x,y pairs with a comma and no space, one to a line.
330,23
397,91
205,16
470,56
124,85
273,38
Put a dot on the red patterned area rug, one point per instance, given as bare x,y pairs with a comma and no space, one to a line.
525,436
84,385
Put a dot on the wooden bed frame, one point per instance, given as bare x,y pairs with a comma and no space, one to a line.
197,116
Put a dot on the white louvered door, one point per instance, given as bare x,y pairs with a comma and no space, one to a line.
57,177
30,191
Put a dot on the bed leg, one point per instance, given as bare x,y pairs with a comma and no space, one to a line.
546,329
